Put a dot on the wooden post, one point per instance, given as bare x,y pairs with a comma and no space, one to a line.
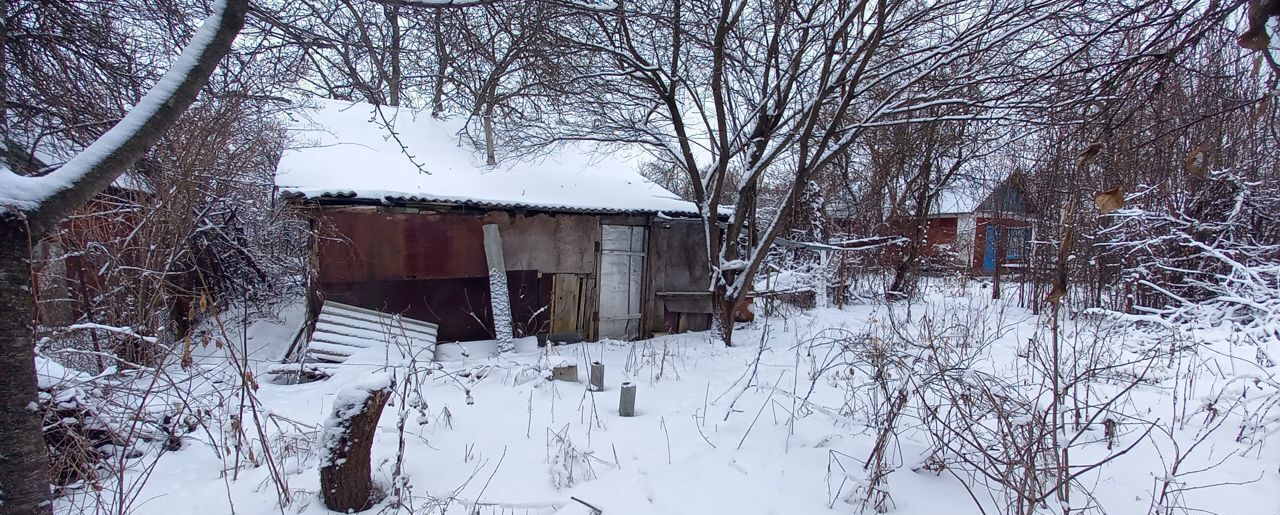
346,443
627,400
822,299
499,297
597,377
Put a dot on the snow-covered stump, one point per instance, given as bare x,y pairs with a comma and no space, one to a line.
499,297
346,442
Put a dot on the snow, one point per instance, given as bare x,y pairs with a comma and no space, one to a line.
28,193
52,152
50,373
266,339
953,201
462,351
349,152
494,436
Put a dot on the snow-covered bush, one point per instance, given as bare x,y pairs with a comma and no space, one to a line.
1203,259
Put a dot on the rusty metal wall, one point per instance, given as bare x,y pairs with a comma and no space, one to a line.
430,265
460,306
369,245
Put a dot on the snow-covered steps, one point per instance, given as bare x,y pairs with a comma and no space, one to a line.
346,334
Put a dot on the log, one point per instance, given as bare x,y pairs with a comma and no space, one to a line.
346,442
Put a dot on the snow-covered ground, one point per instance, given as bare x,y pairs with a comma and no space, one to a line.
715,432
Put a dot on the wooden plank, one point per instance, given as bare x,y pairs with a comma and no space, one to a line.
502,323
565,305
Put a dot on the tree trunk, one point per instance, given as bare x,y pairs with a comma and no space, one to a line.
999,260
903,277
442,65
24,462
491,157
347,440
395,82
724,310
727,311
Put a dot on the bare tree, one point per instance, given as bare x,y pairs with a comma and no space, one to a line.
779,93
33,204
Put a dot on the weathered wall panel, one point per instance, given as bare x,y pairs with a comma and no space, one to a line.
430,265
678,263
555,244
680,256
460,306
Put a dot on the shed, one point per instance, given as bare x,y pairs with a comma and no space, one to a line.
983,225
399,202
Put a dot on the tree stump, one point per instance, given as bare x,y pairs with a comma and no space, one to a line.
346,442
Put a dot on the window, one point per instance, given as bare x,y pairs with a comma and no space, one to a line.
1017,240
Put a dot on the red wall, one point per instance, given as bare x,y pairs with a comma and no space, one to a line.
427,266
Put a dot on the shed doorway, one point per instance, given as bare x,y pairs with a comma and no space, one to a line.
621,281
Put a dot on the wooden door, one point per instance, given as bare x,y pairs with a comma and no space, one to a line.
622,251
567,294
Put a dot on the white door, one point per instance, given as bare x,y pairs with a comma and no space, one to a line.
621,281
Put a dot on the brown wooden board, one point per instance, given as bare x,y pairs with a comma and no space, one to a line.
566,307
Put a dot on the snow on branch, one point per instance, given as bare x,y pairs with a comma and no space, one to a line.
868,243
45,199
593,5
127,331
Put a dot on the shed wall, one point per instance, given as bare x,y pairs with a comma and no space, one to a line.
430,265
680,277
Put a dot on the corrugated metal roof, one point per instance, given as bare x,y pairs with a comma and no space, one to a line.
359,152
498,205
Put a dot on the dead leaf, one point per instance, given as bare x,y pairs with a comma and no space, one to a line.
1196,161
1255,39
1089,153
1258,14
1110,200
1261,108
1056,295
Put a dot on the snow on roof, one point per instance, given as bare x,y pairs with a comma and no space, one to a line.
952,201
349,152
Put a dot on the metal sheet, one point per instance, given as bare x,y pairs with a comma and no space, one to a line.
459,306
